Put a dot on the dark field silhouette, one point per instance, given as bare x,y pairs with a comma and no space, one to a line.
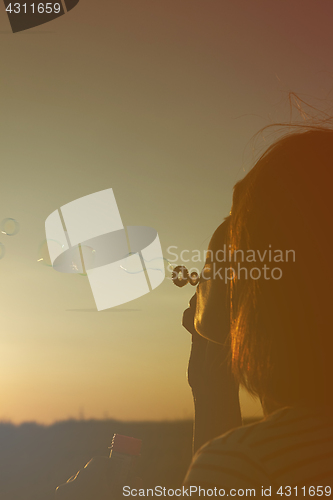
34,459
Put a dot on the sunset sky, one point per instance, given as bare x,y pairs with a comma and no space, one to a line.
158,100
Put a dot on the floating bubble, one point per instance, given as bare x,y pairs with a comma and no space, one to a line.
74,256
74,260
151,264
9,227
43,251
132,267
89,258
2,250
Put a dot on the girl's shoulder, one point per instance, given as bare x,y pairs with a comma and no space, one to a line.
261,453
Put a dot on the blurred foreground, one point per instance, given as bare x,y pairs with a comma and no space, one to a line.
34,459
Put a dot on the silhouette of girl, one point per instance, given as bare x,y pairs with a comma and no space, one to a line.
265,324
271,333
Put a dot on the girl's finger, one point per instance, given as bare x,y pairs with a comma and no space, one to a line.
188,320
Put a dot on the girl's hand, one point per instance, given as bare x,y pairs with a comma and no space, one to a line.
92,482
209,361
208,320
98,480
213,385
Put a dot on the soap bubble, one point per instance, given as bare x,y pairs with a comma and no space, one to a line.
9,227
2,250
43,251
74,257
135,267
132,266
156,264
89,257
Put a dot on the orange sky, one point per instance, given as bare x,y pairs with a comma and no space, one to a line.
159,101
